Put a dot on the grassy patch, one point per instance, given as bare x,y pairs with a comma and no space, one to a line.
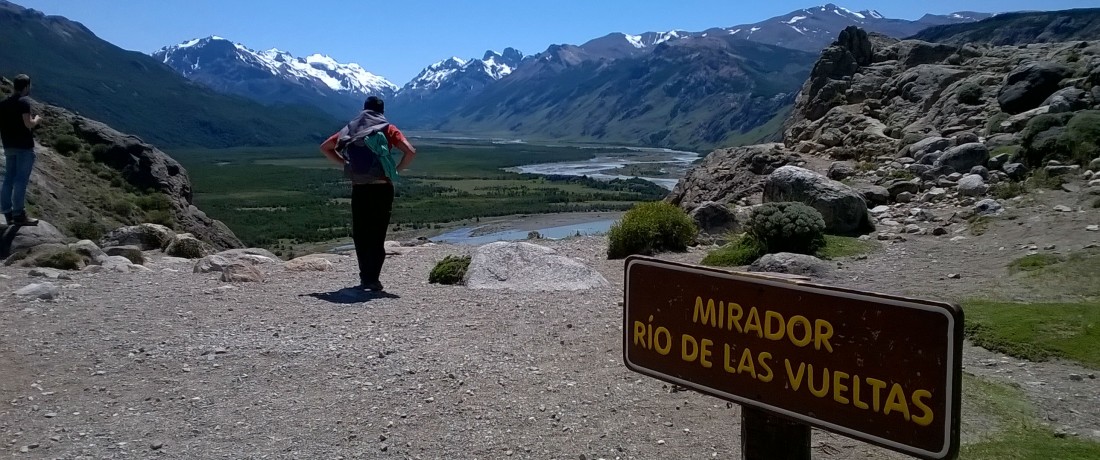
979,225
1017,433
1037,331
1007,189
1077,274
1033,262
837,247
451,270
743,250
64,259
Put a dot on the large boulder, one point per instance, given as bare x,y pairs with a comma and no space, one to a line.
844,209
18,238
146,237
41,291
714,218
728,175
1029,84
212,263
928,145
972,185
520,266
309,264
89,251
793,264
1067,100
131,253
841,170
241,273
964,157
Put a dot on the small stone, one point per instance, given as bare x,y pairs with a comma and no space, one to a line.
660,442
156,445
1093,228
1076,377
912,228
880,210
954,276
905,197
1049,247
1063,208
50,414
939,231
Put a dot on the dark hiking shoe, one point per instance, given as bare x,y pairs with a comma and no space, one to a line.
374,286
22,219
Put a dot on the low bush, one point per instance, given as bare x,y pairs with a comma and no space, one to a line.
64,259
451,270
788,227
649,228
86,230
67,144
970,93
1007,189
743,250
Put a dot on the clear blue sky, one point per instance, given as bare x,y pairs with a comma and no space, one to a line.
396,39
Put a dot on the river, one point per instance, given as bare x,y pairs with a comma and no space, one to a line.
664,167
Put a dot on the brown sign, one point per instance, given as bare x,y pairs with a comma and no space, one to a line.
879,368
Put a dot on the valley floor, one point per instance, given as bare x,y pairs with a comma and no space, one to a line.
171,364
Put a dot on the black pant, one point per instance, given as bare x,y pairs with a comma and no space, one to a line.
371,205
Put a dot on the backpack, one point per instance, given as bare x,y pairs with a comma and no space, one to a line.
367,157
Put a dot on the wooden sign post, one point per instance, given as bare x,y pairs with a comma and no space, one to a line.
878,368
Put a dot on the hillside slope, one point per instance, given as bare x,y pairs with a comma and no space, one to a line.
1020,28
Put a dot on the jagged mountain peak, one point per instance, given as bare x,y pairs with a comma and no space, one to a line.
493,65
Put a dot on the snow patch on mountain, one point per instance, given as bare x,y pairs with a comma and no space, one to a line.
495,65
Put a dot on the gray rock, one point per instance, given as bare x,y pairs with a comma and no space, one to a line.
309,263
241,273
844,209
118,264
875,195
728,175
925,146
930,158
1016,123
131,253
89,250
1029,84
897,187
954,177
1067,100
49,273
186,246
935,194
239,253
964,157
988,207
877,210
794,264
919,169
1095,164
972,185
981,171
1061,170
841,170
998,162
939,231
147,237
1016,171
214,263
24,237
714,218
521,266
1063,208
966,138
913,228
904,197
43,291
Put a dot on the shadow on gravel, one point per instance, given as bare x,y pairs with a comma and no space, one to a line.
351,296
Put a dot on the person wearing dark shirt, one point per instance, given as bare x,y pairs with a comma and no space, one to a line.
16,124
372,189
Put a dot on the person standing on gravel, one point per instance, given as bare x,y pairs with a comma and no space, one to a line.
363,148
16,124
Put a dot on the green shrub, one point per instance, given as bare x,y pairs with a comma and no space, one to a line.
993,126
742,251
1033,262
160,216
1041,179
648,228
970,93
153,201
64,259
788,227
451,270
1045,138
1013,152
86,230
1007,189
67,144
1083,132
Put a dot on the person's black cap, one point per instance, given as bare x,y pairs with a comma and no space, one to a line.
374,103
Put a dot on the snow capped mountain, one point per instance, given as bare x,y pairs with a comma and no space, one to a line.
493,66
811,29
274,76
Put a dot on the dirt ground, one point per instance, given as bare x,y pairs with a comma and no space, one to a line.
172,364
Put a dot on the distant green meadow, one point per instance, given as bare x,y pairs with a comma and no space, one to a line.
271,196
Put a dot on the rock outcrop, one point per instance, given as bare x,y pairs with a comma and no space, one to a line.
844,209
728,175
528,267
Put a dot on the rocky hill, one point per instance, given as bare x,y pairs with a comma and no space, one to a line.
90,179
1020,28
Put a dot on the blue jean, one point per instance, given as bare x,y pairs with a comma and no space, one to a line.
18,165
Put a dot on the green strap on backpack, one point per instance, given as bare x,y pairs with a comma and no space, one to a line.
378,144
